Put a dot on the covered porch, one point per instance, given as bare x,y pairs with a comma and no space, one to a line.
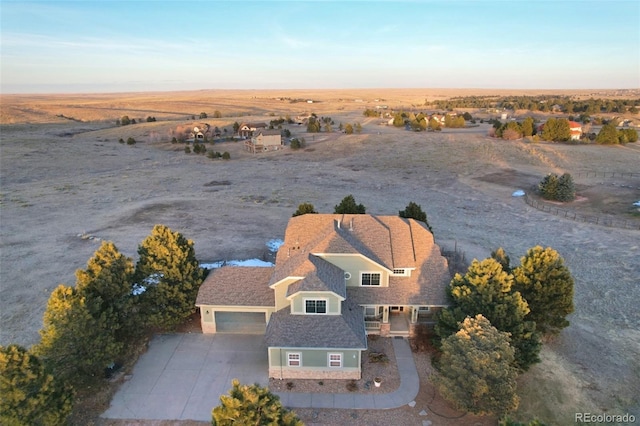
397,320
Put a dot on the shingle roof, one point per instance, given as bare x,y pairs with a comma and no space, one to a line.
385,239
237,286
318,331
267,132
391,241
319,275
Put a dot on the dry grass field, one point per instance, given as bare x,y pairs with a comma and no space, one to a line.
64,180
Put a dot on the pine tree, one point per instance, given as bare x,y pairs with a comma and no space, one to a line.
548,187
486,289
106,285
557,188
475,371
304,208
252,405
348,206
607,135
414,211
558,130
29,394
169,271
73,342
528,127
502,258
566,190
546,283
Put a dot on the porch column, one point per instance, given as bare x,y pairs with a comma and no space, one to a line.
414,314
385,314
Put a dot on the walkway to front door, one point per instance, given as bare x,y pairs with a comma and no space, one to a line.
399,320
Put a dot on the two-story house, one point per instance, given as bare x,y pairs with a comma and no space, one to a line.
246,129
336,279
264,140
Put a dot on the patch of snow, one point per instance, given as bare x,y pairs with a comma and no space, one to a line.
274,244
246,262
138,289
518,193
153,279
637,204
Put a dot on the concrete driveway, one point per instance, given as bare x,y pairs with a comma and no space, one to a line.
182,376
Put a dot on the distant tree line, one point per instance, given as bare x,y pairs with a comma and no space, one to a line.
348,205
422,121
541,103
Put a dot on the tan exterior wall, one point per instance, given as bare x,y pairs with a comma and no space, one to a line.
267,140
354,265
281,293
207,314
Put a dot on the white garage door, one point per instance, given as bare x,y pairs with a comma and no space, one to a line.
241,322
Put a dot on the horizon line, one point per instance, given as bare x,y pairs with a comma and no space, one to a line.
54,93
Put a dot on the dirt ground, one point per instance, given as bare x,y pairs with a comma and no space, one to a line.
68,184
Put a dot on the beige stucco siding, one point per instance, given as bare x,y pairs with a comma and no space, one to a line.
354,265
280,292
333,301
268,140
207,314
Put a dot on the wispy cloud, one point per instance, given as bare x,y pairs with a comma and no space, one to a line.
28,40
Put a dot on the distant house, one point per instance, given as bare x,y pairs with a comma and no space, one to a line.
336,279
438,117
264,140
576,130
246,129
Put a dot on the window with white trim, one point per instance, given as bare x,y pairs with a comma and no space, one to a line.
369,311
315,306
401,272
370,279
347,275
335,360
294,359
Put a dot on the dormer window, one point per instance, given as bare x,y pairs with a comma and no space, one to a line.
370,279
400,272
315,306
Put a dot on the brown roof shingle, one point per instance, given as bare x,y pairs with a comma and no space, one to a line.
318,331
237,286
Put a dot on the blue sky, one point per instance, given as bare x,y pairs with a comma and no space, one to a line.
112,46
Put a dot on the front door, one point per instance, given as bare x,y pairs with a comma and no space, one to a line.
397,309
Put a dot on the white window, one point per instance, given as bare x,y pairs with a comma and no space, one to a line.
314,306
370,278
294,359
370,312
399,272
335,360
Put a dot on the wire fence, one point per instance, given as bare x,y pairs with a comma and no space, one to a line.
596,220
606,175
